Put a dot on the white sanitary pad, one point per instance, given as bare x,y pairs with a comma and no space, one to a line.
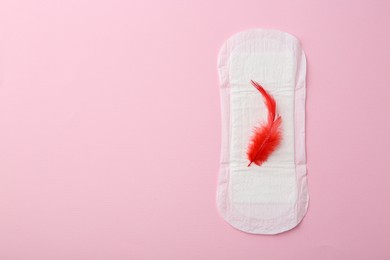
270,198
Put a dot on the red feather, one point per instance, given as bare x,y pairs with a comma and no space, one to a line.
267,137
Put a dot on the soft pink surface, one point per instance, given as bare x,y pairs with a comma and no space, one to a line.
110,129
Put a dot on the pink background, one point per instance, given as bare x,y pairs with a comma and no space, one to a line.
110,129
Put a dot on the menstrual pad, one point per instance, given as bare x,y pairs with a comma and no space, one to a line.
270,198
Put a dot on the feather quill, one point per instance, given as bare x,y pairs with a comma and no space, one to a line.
267,137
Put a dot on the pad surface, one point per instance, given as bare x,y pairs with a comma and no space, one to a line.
270,198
